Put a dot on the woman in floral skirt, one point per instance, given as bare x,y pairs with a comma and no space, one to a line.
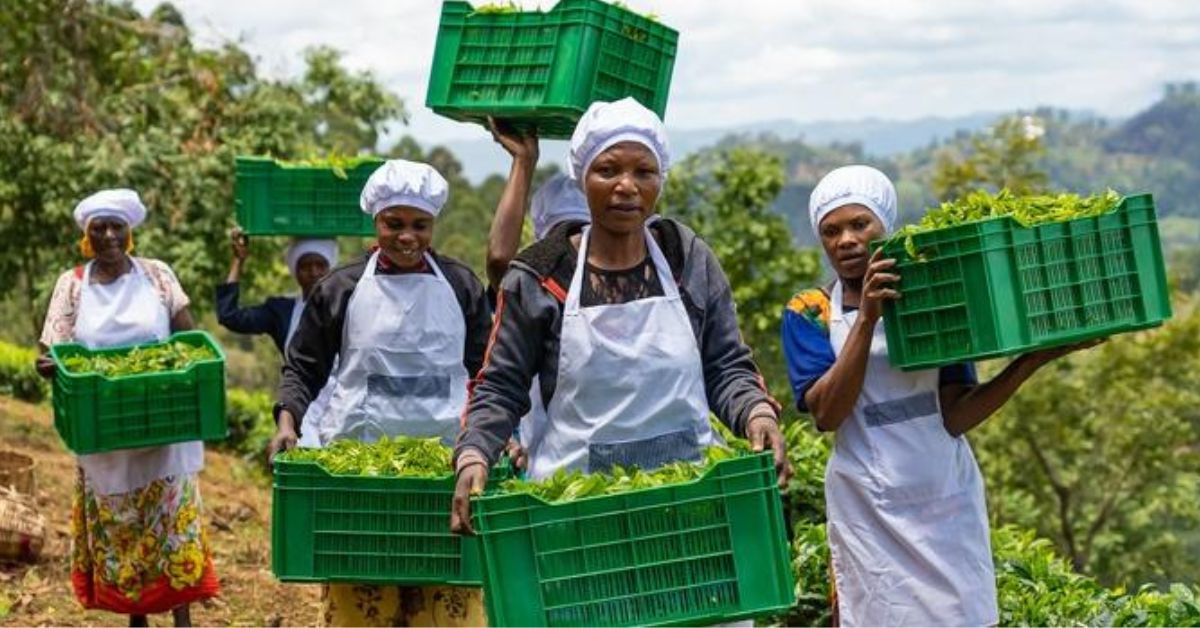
138,546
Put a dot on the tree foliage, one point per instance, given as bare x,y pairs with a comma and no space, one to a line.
95,94
725,196
1098,452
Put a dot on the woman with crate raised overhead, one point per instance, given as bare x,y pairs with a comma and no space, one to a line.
629,328
138,546
308,260
908,527
407,327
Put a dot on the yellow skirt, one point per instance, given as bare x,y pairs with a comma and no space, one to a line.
364,605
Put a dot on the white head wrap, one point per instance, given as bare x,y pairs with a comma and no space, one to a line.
118,203
325,248
557,200
849,185
606,124
408,183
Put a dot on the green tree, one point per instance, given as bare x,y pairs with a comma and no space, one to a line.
1097,452
725,195
95,94
1005,156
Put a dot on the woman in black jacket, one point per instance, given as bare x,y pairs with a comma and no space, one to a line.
308,261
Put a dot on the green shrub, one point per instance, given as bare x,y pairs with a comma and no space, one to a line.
251,424
18,378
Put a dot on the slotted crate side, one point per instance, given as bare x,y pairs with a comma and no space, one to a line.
94,414
372,530
540,71
300,201
994,288
709,550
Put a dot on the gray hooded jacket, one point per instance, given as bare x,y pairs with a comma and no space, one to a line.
528,322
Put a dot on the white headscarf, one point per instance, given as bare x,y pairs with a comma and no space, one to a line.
120,203
606,124
408,183
849,185
557,200
325,248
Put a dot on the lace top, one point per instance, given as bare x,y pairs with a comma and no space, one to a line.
613,287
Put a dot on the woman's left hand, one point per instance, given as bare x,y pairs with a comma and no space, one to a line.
763,430
1045,356
45,366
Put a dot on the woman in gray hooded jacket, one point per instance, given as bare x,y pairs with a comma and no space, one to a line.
628,323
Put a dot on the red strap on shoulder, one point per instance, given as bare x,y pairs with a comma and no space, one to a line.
79,272
553,288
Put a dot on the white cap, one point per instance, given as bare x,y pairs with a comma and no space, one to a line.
850,185
404,183
325,248
557,200
118,203
606,124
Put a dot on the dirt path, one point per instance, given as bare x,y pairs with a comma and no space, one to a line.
237,500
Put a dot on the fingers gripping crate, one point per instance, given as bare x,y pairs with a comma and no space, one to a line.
994,287
94,413
273,198
541,70
372,530
710,550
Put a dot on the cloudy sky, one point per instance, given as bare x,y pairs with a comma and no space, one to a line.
743,61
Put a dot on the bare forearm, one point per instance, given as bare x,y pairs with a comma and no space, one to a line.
980,402
505,235
833,397
235,272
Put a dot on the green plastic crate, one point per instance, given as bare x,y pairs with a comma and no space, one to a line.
994,288
301,201
711,550
541,70
370,530
94,413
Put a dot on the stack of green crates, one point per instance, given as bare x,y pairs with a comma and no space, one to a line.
995,288
94,413
335,528
707,551
276,199
541,70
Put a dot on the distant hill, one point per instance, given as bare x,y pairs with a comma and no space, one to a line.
482,157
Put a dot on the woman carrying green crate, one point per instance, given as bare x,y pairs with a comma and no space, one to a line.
138,546
907,520
407,327
628,325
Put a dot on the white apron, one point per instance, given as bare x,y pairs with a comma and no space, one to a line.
125,312
401,365
630,387
308,437
533,422
908,526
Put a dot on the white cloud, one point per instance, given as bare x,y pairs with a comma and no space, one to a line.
748,61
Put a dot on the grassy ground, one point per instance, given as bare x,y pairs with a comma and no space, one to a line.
237,501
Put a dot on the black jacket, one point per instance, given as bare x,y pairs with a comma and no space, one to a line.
318,338
271,317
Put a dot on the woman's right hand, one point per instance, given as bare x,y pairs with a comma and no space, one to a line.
285,436
45,366
471,481
241,244
522,147
877,287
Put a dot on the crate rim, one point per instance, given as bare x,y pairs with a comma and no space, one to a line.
890,242
471,13
199,333
539,502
